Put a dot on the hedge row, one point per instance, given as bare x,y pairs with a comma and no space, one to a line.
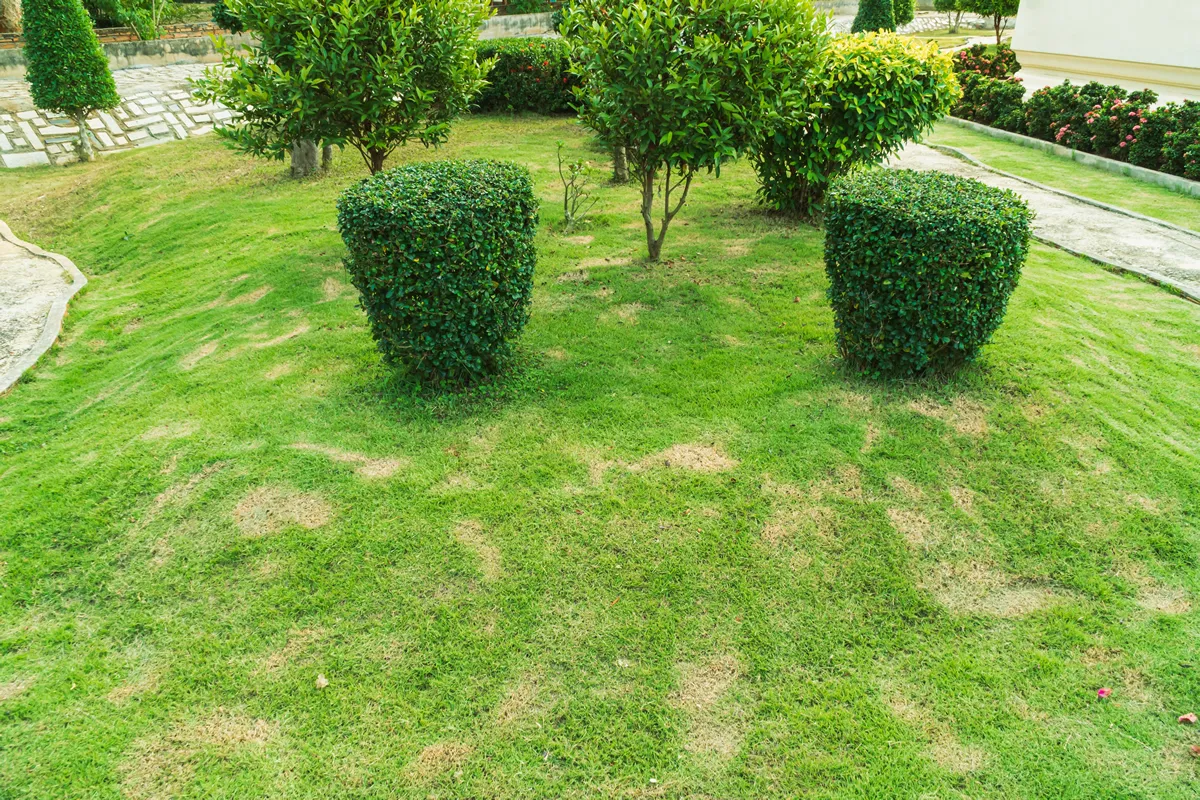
531,74
1095,118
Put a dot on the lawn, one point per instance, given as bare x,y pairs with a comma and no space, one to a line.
1063,173
679,552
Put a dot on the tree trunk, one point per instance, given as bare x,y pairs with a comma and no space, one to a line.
377,159
304,158
10,16
86,153
653,244
999,29
326,158
620,165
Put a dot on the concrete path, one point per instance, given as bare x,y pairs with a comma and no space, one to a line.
1161,252
34,289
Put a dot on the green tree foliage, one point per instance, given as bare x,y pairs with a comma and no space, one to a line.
146,17
904,11
874,15
1000,12
66,66
368,74
921,266
223,18
687,85
443,255
873,93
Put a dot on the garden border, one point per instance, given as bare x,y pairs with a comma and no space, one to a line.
1163,179
1186,293
54,318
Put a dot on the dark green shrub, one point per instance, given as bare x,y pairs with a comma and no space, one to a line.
443,256
531,74
903,11
1166,127
991,101
873,93
67,69
874,15
921,266
222,17
1181,153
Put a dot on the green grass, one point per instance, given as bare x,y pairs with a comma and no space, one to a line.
876,591
1062,173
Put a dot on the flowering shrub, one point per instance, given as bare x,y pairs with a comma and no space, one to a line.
530,74
1002,64
1111,130
991,101
1157,144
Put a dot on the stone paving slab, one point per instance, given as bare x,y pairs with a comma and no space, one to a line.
34,289
156,107
1161,252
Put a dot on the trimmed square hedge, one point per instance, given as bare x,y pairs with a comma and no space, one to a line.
921,266
443,256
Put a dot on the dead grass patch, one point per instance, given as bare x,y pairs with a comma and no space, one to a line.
714,728
870,438
912,526
556,353
332,289
278,371
580,240
942,746
845,482
269,509
589,263
193,358
470,534
695,457
438,759
1164,600
250,297
180,493
143,684
574,276
966,417
520,701
298,641
963,499
14,689
977,588
299,330
365,466
162,766
170,430
628,313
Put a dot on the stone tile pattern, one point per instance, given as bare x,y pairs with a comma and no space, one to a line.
153,113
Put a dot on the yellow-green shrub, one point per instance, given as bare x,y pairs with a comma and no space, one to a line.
874,93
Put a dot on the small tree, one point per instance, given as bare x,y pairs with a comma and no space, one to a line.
1000,12
66,66
904,11
954,12
874,15
370,74
688,85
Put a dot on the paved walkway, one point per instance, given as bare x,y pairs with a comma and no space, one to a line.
156,107
1158,251
34,289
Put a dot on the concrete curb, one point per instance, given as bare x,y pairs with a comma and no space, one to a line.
1172,182
54,319
1181,290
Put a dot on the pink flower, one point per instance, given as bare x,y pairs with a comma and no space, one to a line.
1103,693
1134,141
1124,143
1129,138
1137,128
1097,108
1112,119
1143,120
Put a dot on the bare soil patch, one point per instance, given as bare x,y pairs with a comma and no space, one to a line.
269,509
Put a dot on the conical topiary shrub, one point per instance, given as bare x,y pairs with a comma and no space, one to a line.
66,67
903,11
874,15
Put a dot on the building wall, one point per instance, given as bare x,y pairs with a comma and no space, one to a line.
1154,43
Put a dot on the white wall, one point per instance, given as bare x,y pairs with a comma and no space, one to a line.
1165,32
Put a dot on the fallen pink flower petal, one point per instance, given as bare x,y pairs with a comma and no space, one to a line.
1103,693
1188,719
